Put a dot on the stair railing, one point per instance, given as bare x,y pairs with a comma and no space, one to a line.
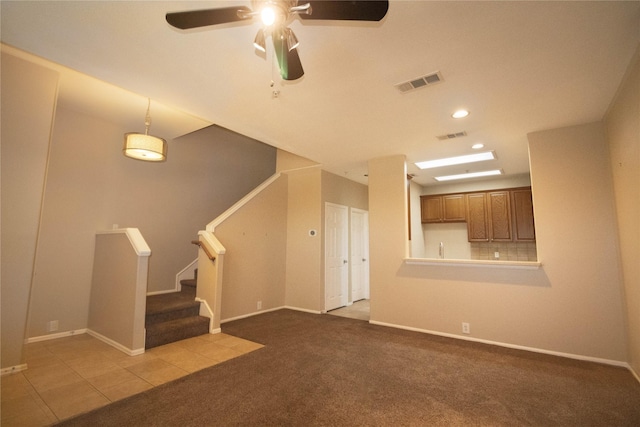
209,281
204,248
210,260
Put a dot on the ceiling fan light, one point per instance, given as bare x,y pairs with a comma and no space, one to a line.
268,15
259,42
292,40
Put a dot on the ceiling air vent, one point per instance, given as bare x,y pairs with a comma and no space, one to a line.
451,135
428,80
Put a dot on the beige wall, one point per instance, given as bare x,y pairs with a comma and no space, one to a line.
572,305
623,131
288,162
577,238
117,306
271,256
28,104
304,256
255,239
343,191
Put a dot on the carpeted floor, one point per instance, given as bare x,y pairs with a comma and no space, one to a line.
327,370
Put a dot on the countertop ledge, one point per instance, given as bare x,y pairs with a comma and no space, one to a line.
524,265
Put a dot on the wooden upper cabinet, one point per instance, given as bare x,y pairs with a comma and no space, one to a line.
477,217
491,216
454,208
431,209
522,208
499,209
449,208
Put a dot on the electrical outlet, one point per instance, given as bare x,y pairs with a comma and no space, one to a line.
466,329
259,305
52,326
496,255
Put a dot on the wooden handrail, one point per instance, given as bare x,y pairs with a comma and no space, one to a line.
205,249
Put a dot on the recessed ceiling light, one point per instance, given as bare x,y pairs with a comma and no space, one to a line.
449,161
477,146
468,175
460,114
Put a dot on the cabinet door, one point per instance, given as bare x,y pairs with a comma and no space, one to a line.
499,205
477,217
454,208
431,208
523,226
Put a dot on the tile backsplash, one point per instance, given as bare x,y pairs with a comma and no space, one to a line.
507,251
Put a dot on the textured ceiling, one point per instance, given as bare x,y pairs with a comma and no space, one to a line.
518,67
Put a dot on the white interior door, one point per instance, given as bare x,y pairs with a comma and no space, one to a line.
359,254
336,278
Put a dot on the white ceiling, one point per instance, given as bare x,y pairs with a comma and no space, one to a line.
518,67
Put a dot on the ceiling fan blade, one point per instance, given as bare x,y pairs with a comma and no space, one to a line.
288,60
203,18
354,10
294,66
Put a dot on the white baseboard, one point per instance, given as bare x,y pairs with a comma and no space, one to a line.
635,374
13,369
112,343
55,336
513,346
303,309
169,291
244,316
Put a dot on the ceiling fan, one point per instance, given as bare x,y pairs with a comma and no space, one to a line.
275,16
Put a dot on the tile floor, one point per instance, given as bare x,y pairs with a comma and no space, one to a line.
72,375
357,310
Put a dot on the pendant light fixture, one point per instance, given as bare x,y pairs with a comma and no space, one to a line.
144,146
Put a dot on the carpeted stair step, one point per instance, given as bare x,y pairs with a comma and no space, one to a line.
190,283
176,305
174,316
175,330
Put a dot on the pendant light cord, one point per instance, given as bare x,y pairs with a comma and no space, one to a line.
147,119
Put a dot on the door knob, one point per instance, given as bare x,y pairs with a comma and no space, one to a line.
344,261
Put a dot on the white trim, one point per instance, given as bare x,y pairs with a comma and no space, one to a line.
301,169
169,291
513,346
524,265
211,239
56,336
244,316
187,272
226,214
635,374
134,236
303,310
13,369
112,343
205,310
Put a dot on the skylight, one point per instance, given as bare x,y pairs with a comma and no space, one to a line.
468,175
449,161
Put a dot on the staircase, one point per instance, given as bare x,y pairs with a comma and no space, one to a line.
174,316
